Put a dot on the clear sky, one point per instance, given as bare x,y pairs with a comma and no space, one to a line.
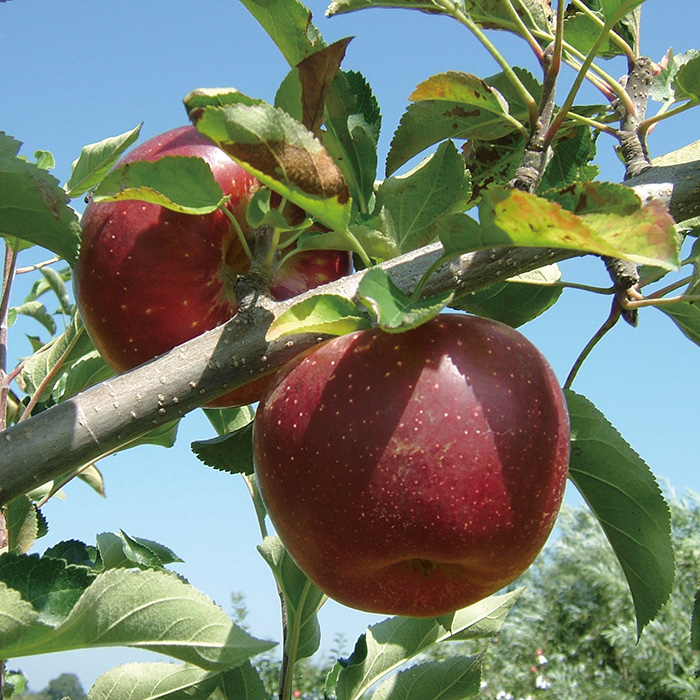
76,71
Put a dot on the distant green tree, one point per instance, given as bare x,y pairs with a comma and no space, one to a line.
67,685
572,634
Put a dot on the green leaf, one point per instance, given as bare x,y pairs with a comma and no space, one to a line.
72,552
152,609
96,159
92,476
228,420
438,186
162,436
517,300
687,82
481,620
182,183
232,453
35,310
392,642
119,550
22,524
86,371
644,233
288,95
44,160
455,678
599,218
377,236
325,240
571,157
289,25
663,87
686,315
13,682
33,207
329,314
51,586
493,162
581,31
242,683
283,154
453,105
56,282
67,348
16,615
623,494
302,596
395,312
217,97
353,123
154,681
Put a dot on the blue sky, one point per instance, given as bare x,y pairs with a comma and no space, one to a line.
77,71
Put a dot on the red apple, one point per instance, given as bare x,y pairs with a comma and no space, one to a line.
148,278
414,473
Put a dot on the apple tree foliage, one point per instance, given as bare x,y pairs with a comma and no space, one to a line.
497,186
571,635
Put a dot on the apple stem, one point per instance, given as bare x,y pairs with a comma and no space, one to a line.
610,321
271,250
238,229
356,246
442,260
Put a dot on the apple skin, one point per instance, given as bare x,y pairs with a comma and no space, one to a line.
415,473
148,279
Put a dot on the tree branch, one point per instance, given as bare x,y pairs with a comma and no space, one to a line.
119,410
112,414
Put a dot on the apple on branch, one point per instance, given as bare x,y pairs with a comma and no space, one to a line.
149,278
414,473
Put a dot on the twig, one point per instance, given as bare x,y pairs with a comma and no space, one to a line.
49,377
612,319
666,301
583,72
37,266
452,8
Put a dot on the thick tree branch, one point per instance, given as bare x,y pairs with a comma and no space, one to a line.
109,415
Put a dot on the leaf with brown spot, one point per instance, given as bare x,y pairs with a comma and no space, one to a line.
316,73
283,154
601,222
451,105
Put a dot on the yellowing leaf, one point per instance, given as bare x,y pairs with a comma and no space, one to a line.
592,217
